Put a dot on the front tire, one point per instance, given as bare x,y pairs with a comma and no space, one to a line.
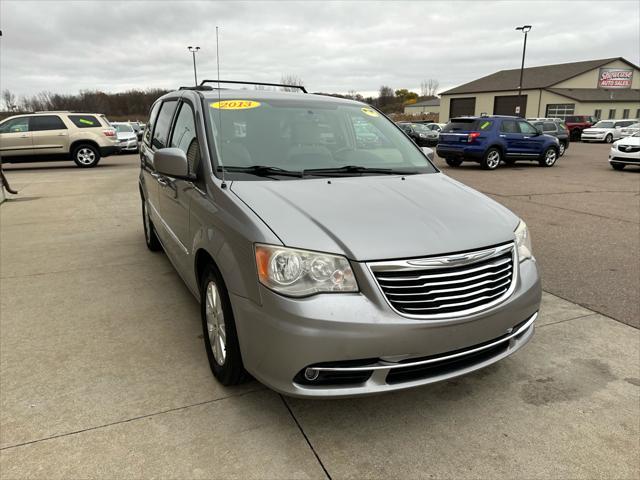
453,162
617,166
150,237
219,330
549,157
608,138
86,156
491,159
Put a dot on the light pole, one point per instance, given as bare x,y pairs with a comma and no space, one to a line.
193,50
525,29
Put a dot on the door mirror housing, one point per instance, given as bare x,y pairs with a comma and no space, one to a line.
171,162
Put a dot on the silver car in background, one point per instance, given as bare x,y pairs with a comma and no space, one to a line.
127,137
328,263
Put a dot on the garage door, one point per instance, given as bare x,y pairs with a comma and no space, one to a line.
508,105
460,107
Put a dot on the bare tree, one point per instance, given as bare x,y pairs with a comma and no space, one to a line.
429,88
9,100
291,79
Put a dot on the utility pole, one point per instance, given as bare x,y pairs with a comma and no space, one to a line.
524,29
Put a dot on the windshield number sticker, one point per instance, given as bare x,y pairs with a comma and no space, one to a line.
235,104
85,121
370,111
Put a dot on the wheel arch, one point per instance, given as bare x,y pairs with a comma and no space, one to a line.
76,143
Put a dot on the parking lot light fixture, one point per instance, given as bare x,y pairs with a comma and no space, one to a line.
193,50
524,29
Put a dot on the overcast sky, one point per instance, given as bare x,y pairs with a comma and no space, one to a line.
66,46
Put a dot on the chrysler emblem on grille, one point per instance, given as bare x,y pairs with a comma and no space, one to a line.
454,259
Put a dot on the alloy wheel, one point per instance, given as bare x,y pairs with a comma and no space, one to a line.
86,156
550,157
215,323
562,149
493,159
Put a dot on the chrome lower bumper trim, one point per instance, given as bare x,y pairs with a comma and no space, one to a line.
381,365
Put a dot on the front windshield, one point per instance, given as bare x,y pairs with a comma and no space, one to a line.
297,135
420,128
603,125
120,128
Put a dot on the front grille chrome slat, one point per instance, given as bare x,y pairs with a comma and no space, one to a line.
457,285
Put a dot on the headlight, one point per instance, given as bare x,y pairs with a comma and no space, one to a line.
300,273
523,241
422,135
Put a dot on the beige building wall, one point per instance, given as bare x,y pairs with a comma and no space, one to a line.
590,79
588,108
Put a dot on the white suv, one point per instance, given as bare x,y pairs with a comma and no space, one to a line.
605,130
81,137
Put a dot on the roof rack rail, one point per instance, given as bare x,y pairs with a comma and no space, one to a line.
197,87
300,87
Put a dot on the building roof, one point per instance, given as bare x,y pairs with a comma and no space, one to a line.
434,102
598,94
534,77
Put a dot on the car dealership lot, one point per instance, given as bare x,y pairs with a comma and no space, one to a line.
103,374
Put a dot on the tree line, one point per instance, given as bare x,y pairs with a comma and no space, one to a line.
135,104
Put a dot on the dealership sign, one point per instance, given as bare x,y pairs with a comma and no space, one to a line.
615,78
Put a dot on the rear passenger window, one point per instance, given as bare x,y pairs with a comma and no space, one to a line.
85,121
549,127
509,126
163,123
41,123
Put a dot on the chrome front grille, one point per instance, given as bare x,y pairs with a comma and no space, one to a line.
448,286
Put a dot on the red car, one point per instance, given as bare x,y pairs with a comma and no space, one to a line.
576,123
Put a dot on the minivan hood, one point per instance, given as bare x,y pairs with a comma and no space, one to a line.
379,217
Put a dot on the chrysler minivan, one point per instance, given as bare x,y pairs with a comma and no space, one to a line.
328,264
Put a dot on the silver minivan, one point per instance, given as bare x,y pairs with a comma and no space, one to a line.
329,263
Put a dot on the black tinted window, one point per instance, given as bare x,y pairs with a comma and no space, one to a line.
161,129
85,121
509,126
46,122
460,125
548,127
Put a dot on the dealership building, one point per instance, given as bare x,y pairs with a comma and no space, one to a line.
607,88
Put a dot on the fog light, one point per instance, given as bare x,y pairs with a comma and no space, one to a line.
311,374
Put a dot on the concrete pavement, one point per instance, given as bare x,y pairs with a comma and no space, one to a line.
102,376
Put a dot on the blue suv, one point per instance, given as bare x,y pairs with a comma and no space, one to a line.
491,140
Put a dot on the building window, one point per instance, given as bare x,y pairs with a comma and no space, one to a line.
638,113
625,113
560,110
598,113
612,113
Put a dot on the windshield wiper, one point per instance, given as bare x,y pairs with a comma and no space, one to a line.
262,171
355,169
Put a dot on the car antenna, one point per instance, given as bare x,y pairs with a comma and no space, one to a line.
223,184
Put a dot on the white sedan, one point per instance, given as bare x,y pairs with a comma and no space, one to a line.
625,152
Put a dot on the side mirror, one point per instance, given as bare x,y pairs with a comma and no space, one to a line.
171,162
539,131
428,153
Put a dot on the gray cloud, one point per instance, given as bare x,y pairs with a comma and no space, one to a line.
65,46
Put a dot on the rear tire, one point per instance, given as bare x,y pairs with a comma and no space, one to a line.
561,149
86,155
453,162
617,166
491,159
549,157
219,329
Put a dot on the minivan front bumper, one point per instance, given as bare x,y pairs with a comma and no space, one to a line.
355,344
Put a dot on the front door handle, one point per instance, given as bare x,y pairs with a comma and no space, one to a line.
503,136
25,135
62,134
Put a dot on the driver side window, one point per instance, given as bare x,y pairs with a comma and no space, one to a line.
17,125
527,128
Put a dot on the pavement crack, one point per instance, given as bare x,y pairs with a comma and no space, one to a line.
324,469
132,419
570,319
